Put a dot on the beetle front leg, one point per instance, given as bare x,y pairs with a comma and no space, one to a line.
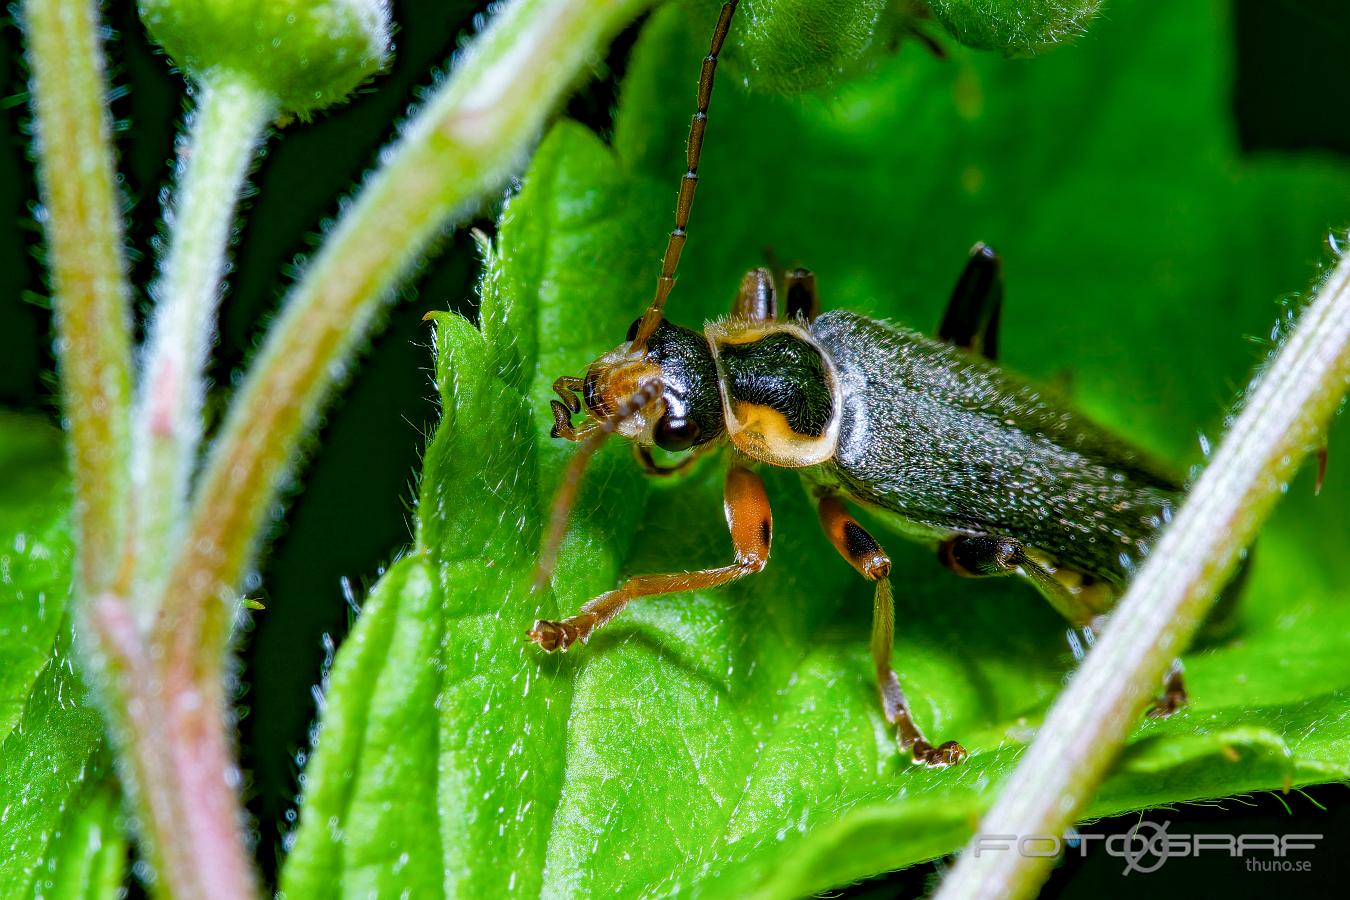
649,464
972,316
862,552
750,521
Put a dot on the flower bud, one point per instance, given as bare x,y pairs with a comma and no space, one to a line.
791,46
1015,27
308,54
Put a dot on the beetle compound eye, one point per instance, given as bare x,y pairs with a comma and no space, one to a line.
632,329
676,434
588,391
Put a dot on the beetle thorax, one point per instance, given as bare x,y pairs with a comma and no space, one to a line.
780,393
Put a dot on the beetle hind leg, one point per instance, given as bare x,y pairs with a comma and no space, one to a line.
989,556
862,552
984,556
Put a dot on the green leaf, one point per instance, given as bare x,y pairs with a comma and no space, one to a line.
729,741
59,819
35,557
87,857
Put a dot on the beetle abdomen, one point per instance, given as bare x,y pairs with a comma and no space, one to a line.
949,442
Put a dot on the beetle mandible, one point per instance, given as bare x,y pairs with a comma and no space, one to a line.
929,434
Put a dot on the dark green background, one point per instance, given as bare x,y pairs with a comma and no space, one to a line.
352,512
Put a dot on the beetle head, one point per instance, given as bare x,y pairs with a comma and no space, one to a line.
664,393
661,389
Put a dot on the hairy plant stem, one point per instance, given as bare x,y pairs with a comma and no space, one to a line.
1282,420
166,689
84,240
193,842
462,145
224,135
178,768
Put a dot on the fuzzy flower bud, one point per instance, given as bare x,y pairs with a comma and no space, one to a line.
792,46
1015,27
308,54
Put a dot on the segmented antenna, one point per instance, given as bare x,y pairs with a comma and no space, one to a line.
652,317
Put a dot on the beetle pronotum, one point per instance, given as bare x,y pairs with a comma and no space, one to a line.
927,433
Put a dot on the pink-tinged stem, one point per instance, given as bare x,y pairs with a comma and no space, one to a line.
175,762
1283,419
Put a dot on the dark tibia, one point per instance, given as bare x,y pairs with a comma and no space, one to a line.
803,300
972,316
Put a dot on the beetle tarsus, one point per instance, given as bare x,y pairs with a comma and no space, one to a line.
948,754
554,636
1174,695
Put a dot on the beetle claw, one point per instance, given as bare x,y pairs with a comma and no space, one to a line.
1167,704
553,636
949,754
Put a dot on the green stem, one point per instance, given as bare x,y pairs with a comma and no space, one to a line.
1282,420
84,237
472,134
225,133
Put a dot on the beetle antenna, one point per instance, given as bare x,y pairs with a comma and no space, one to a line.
652,317
647,394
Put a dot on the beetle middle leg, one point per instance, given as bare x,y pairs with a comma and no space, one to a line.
984,555
972,316
862,551
750,521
